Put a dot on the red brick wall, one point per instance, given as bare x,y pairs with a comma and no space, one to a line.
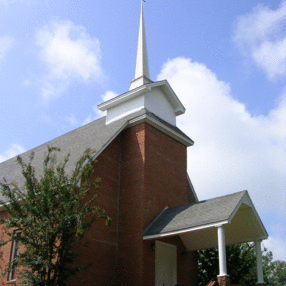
130,254
142,171
102,241
165,173
153,175
223,281
5,251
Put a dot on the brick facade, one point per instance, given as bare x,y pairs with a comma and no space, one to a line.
142,171
223,280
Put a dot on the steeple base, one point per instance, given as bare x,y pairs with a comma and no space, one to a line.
139,81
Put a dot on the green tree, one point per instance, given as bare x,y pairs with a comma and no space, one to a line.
241,266
53,213
276,273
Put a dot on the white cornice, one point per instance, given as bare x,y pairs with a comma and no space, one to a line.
123,97
164,85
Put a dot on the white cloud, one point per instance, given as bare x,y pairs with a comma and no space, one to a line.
70,54
106,96
261,36
233,149
71,119
12,151
277,246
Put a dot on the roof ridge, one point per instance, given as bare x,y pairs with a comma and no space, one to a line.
232,194
207,200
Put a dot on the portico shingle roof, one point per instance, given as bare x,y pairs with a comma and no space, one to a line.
194,215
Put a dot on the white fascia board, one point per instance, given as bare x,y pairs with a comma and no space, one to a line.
176,232
171,95
162,127
256,215
123,97
247,201
236,209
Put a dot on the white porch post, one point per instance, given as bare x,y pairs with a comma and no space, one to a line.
221,251
259,262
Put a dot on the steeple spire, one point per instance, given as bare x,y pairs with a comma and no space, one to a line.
141,69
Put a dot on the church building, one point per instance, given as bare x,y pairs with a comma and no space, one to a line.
158,223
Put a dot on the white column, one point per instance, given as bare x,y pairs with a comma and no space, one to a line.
259,262
221,251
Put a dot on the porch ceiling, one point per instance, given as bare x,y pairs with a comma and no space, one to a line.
196,223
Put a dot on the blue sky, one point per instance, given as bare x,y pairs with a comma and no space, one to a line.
226,60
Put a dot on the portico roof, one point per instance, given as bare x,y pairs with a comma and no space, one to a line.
196,223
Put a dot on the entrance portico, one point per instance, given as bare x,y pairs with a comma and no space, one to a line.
217,222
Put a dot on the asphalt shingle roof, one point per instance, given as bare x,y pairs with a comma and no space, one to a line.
194,215
95,135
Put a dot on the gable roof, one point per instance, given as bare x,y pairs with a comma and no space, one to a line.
195,222
95,135
194,215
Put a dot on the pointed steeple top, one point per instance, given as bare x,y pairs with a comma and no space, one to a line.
142,68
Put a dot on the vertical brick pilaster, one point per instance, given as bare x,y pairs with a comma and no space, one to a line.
223,280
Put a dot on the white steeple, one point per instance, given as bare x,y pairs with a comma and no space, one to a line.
142,68
157,98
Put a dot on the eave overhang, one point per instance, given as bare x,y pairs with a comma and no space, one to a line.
242,224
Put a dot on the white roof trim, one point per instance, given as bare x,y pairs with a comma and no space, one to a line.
170,94
172,97
215,224
162,127
123,97
247,201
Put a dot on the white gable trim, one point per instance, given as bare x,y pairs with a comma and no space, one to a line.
185,230
140,97
247,201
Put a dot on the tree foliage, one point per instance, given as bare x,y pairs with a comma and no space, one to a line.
53,213
241,266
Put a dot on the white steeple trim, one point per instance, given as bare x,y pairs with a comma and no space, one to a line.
158,98
141,76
